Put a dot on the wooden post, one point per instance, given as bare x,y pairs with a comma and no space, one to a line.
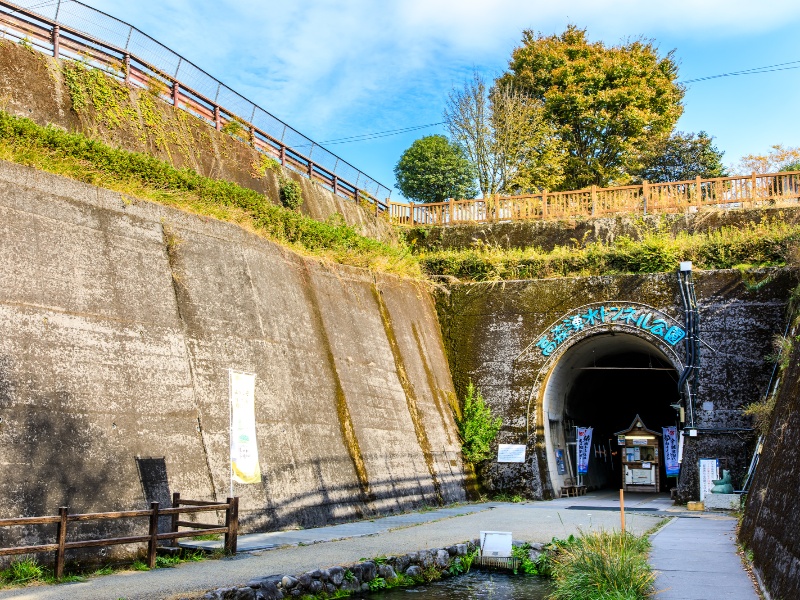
645,195
355,195
232,523
452,210
622,509
153,533
283,156
61,540
752,189
411,210
126,65
176,502
56,39
311,170
176,90
335,185
544,204
699,184
217,119
594,198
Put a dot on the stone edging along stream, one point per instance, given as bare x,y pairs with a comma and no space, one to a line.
347,578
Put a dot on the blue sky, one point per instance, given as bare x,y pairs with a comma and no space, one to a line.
335,69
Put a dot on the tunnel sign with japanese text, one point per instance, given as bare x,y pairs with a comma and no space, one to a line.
594,315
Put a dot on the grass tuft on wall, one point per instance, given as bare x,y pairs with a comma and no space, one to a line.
142,176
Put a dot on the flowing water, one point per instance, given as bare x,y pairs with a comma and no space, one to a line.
483,585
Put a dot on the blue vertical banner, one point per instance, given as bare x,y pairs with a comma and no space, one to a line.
671,451
584,445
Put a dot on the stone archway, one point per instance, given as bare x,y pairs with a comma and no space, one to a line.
625,338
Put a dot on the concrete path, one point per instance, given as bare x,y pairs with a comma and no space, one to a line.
530,521
696,560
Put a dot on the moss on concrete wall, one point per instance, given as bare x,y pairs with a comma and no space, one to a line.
118,323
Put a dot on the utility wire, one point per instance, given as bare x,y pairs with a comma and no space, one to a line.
379,134
795,64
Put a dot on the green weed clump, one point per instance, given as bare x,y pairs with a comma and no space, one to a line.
477,427
23,570
603,565
770,243
143,176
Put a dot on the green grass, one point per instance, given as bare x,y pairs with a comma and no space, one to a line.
142,176
771,243
603,565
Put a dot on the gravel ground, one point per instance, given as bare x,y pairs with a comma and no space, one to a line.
533,522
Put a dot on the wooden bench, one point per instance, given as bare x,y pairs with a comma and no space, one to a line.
570,488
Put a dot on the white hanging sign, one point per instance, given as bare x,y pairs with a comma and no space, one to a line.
244,447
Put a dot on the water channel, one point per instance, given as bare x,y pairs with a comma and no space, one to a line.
483,585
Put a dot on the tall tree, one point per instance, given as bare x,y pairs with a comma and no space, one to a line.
679,157
433,169
506,136
779,158
606,102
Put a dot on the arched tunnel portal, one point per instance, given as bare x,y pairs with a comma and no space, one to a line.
604,381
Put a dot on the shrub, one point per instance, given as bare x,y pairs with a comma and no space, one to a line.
603,566
291,193
477,428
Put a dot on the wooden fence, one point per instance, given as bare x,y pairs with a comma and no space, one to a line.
62,520
770,189
243,120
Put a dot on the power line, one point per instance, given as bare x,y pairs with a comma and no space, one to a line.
795,64
379,134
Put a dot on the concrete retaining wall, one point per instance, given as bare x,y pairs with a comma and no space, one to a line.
772,514
32,85
118,323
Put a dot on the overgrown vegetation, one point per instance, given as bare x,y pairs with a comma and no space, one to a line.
602,565
477,427
781,355
27,570
771,243
142,176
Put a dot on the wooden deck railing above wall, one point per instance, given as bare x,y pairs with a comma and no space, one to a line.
672,197
73,30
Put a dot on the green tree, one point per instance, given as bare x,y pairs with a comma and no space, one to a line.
433,169
506,137
477,428
679,157
606,102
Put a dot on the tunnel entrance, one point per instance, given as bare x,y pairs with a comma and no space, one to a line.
603,382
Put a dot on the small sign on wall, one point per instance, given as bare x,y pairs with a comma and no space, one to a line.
511,453
709,470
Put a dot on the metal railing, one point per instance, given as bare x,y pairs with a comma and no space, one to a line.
745,191
70,29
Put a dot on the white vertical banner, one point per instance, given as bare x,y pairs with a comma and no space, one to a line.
584,445
244,448
709,471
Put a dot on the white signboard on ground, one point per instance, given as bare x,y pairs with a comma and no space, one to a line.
496,544
511,453
709,470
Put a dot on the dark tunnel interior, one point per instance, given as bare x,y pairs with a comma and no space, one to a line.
605,386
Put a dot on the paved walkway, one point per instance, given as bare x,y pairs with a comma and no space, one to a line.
290,552
696,560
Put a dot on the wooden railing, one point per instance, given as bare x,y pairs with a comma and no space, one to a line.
62,520
744,191
67,34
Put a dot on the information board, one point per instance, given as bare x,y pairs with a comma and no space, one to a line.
709,470
511,453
